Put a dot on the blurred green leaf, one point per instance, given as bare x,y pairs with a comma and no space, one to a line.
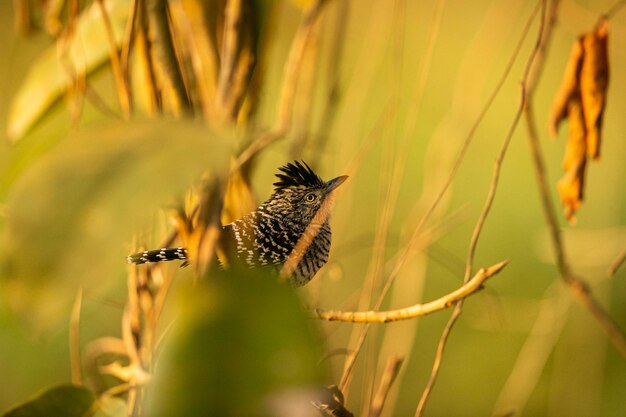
241,346
72,215
51,75
61,401
111,407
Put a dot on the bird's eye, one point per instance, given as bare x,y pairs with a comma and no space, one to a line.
310,197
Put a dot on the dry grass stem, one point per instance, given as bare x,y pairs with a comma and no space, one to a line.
396,174
307,237
386,381
491,194
333,71
294,62
121,81
163,58
535,351
237,59
417,310
128,39
289,86
190,22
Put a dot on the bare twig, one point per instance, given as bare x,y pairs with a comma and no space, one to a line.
77,377
386,381
489,200
406,252
417,310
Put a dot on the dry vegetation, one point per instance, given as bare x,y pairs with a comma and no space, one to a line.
200,99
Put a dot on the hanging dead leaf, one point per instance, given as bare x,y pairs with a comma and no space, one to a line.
567,90
571,185
594,79
581,99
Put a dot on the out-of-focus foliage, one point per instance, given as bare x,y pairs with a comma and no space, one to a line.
69,401
62,401
242,346
71,57
94,189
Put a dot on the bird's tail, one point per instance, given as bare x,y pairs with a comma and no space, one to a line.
158,255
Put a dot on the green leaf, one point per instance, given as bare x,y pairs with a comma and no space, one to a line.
111,407
49,77
61,401
72,215
241,346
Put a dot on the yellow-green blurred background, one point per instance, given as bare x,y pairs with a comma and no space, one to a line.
412,78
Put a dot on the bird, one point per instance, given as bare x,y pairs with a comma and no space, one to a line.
289,232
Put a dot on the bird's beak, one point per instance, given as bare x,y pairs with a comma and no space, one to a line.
335,182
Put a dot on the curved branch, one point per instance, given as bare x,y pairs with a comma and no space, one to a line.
416,310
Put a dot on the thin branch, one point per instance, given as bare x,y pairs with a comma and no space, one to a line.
489,200
386,381
416,310
404,256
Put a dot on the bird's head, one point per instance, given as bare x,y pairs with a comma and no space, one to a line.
300,194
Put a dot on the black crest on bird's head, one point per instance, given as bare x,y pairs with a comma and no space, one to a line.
297,174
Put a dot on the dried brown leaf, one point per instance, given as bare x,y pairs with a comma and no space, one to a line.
594,79
571,185
568,89
239,199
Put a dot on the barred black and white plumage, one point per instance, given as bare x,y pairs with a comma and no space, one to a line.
266,237
158,255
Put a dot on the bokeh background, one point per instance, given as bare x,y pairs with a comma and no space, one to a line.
390,91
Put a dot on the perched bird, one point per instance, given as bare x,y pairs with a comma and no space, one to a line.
290,230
